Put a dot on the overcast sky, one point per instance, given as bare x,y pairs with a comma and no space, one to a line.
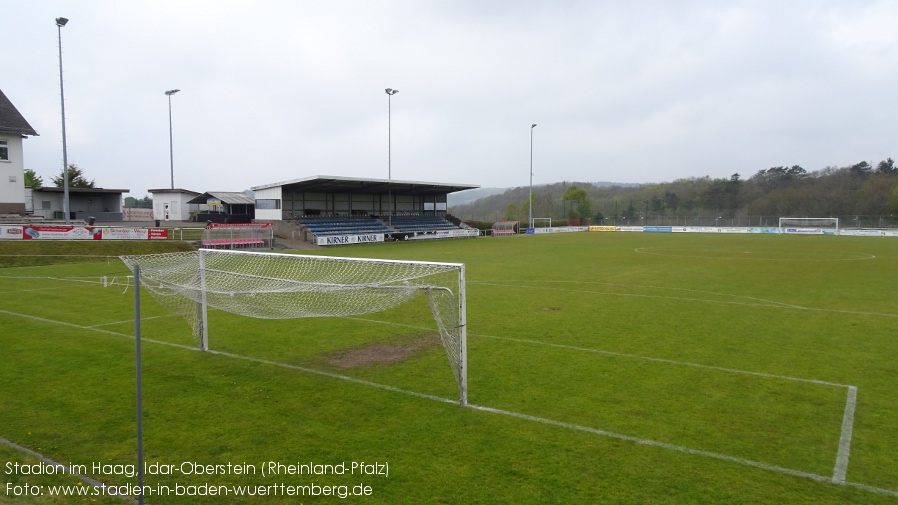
626,91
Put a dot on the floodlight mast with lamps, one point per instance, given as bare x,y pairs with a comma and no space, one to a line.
390,93
171,148
60,22
530,202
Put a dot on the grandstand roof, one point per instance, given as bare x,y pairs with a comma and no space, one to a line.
81,191
333,184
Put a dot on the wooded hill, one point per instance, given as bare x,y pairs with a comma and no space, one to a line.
860,195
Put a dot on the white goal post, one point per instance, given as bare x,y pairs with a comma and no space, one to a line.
286,286
810,225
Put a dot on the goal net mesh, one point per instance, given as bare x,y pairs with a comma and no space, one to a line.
286,286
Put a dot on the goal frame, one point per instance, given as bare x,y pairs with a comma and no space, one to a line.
535,219
807,222
458,299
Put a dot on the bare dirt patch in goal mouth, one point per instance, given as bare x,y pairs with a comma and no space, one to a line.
381,354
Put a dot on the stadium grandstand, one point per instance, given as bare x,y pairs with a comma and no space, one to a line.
332,210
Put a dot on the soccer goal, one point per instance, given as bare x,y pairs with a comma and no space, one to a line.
287,286
809,225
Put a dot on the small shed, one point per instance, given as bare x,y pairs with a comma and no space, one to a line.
173,204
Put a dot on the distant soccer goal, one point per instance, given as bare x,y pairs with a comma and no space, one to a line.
287,286
809,225
541,222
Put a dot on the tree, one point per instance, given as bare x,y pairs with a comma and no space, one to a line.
862,168
580,202
139,203
32,180
76,178
511,212
886,167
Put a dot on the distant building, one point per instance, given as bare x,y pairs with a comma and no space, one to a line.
225,207
172,204
326,195
103,205
13,128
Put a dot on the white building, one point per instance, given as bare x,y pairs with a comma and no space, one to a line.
171,204
13,128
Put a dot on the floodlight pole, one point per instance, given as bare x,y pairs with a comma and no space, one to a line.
60,22
530,202
171,148
137,359
390,93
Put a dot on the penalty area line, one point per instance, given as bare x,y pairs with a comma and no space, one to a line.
688,450
841,468
841,465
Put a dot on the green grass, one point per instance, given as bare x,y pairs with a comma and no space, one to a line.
668,368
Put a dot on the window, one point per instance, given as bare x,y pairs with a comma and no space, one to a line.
4,151
45,205
268,204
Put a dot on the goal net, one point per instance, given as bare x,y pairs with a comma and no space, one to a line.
809,225
286,286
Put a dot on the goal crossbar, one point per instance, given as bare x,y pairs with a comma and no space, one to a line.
285,286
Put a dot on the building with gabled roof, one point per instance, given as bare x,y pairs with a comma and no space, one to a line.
13,129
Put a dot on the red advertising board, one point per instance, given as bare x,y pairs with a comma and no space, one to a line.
61,233
238,225
41,232
157,234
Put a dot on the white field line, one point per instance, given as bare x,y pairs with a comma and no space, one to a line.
763,303
61,467
776,305
664,445
700,291
623,355
87,280
747,255
6,291
687,450
668,361
131,320
841,467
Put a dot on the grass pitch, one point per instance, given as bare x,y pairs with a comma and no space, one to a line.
603,368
